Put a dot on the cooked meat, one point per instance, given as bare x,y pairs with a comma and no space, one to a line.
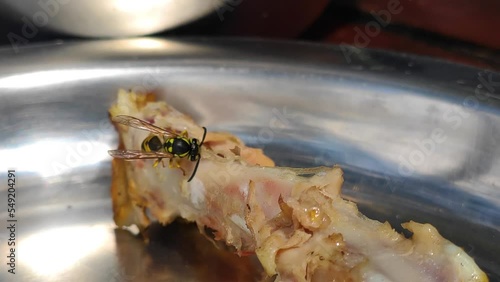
294,220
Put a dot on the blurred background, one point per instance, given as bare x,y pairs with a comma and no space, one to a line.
462,31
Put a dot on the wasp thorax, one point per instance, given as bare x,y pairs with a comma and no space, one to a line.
178,146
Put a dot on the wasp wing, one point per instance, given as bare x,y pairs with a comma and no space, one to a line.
144,125
138,154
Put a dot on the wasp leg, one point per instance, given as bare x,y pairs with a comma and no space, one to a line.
157,162
184,133
174,163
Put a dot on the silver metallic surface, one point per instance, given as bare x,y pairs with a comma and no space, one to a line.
417,138
114,18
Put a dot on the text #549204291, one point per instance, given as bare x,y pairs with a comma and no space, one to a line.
11,221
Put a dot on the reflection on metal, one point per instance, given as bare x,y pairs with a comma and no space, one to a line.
51,252
49,158
115,18
46,78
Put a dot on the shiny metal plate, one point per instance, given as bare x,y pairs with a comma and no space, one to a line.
418,140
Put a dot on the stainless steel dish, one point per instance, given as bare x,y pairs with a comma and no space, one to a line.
417,138
116,18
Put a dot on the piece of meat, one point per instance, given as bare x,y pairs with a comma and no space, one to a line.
294,220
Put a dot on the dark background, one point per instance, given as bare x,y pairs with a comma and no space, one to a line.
463,31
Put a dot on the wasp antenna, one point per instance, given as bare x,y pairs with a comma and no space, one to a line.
195,169
199,156
204,134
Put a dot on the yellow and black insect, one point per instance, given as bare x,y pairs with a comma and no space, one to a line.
161,143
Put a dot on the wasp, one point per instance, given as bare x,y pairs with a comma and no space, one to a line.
161,143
